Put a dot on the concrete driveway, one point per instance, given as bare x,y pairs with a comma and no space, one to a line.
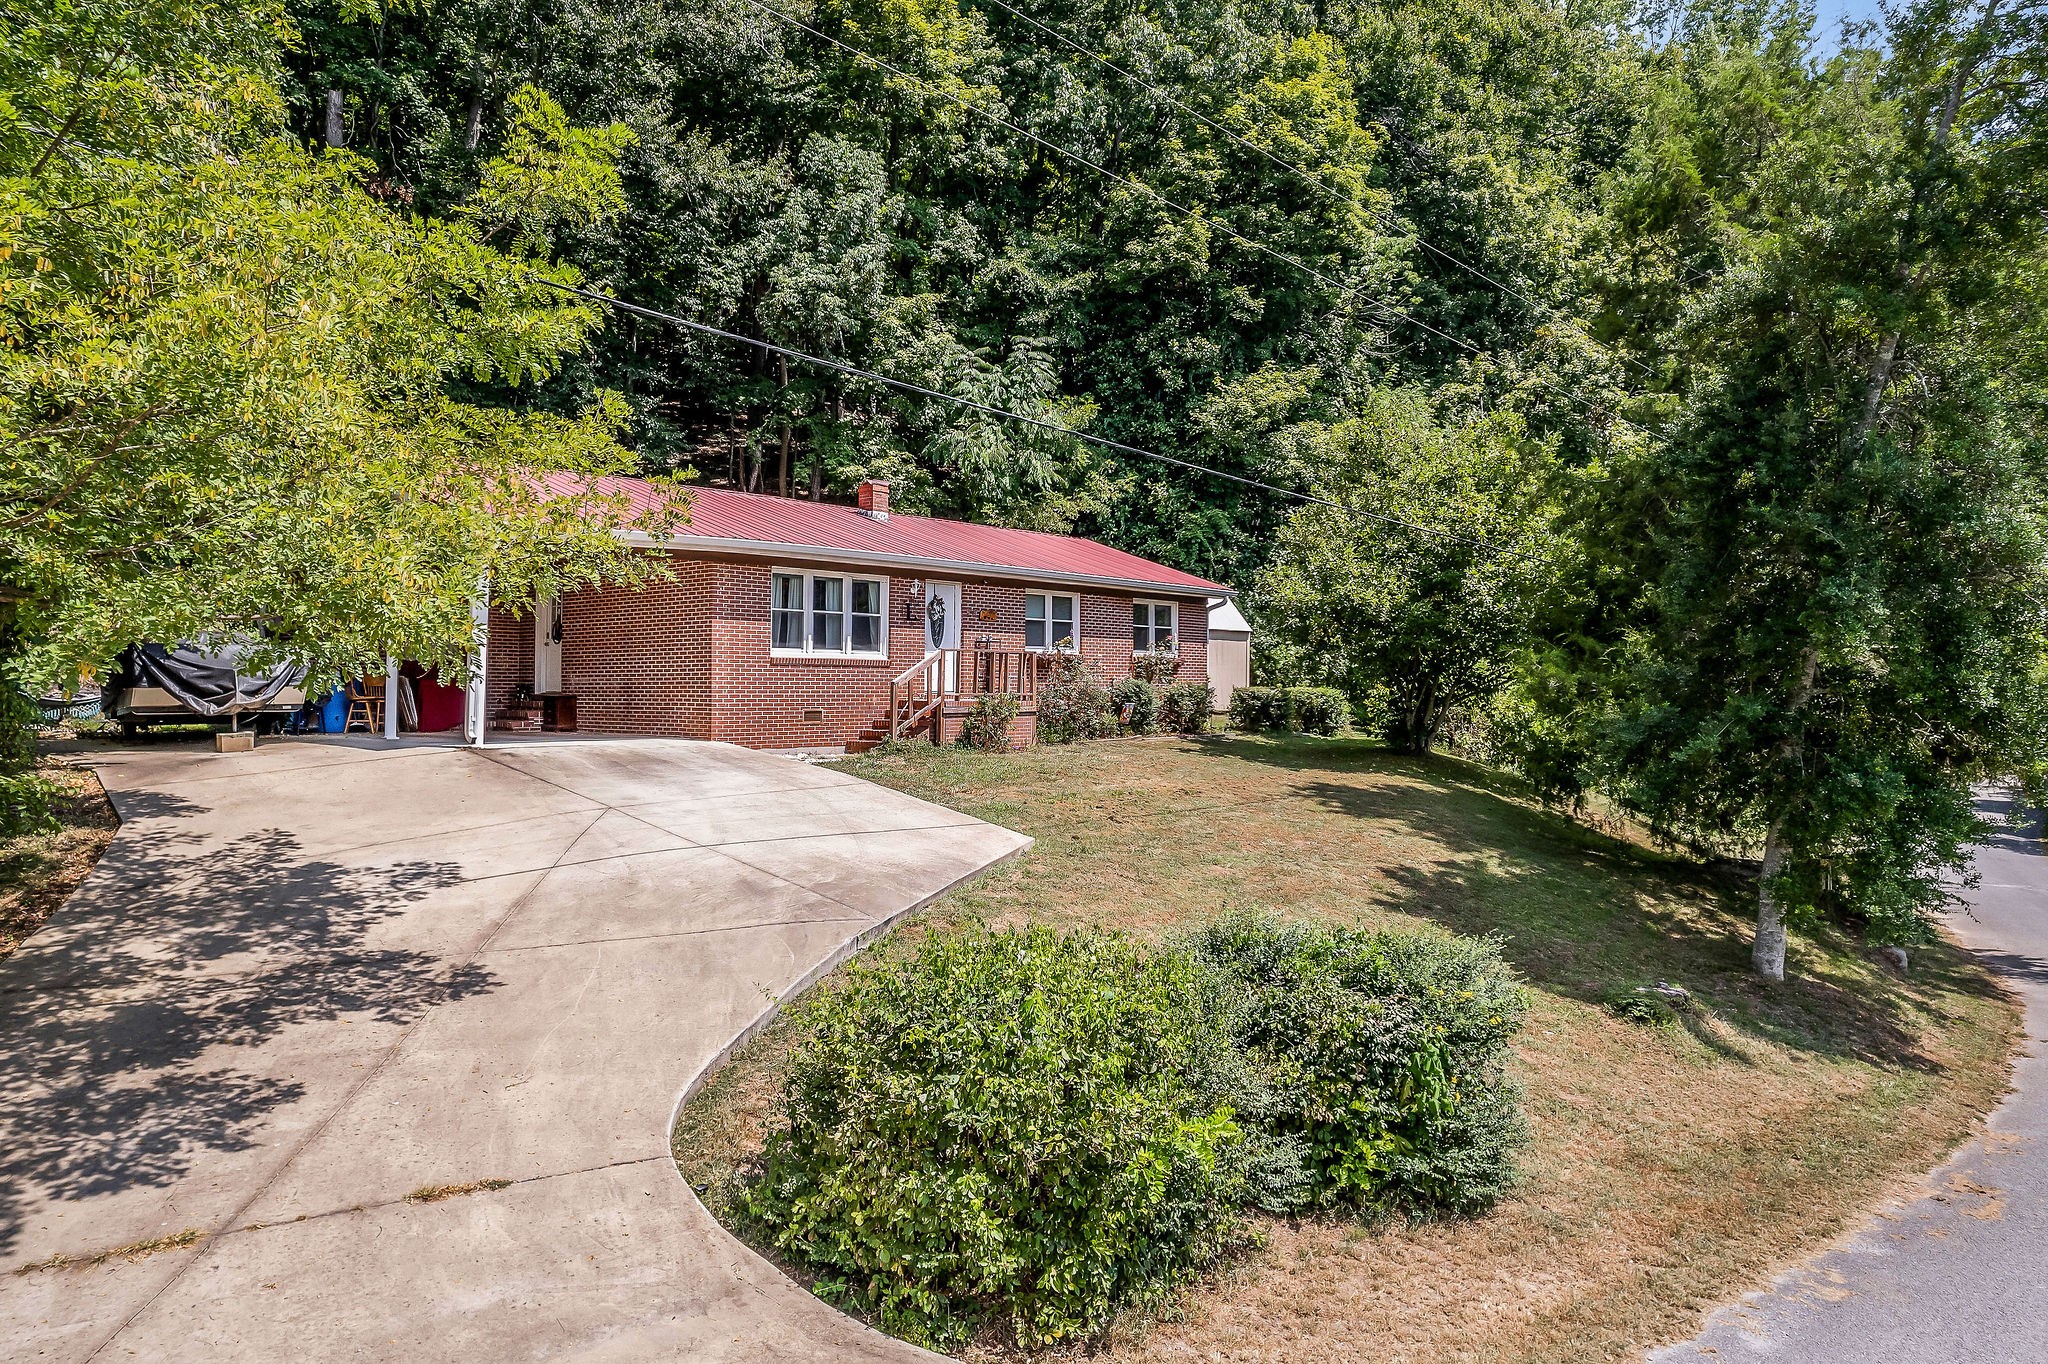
308,982
1958,1275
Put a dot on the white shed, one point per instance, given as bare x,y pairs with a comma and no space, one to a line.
1230,649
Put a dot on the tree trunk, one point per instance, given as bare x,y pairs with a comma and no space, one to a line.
1769,953
476,123
782,478
337,131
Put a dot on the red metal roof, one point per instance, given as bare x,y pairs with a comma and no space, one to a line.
756,523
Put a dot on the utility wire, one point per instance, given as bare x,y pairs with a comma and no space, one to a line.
921,391
1386,220
1387,311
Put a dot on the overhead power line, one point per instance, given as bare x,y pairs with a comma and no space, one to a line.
985,409
1386,311
1385,219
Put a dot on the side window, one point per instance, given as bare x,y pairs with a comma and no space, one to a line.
1064,618
864,615
786,612
1151,625
1049,621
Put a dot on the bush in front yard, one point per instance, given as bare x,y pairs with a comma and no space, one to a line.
1073,704
28,805
1254,708
1137,705
1382,1057
1317,710
1157,666
986,726
1184,707
1304,710
1021,1128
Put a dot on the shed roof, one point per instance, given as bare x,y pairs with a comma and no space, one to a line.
1225,618
759,524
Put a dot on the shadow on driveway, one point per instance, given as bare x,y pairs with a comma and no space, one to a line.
110,1019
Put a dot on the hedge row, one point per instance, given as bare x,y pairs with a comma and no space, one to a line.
1301,710
1033,1130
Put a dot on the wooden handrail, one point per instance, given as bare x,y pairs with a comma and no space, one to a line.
932,670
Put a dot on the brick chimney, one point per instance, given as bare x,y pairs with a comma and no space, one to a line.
874,498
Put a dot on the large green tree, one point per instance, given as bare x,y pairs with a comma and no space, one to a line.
1422,616
240,381
1812,614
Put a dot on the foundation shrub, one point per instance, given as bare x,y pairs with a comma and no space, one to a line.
1184,707
1380,1060
1137,705
1159,666
1073,704
1020,1129
986,726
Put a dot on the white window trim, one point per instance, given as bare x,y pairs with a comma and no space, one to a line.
810,576
1172,622
1050,646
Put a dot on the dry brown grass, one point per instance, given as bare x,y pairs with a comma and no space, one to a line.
1672,1168
38,871
434,1193
132,1252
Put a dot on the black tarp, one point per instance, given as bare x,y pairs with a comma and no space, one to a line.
206,678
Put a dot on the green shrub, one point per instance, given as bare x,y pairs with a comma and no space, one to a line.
1640,1004
1184,707
1158,666
1073,704
1304,710
1381,1059
1317,710
987,725
19,719
28,805
1005,1127
1254,708
1137,705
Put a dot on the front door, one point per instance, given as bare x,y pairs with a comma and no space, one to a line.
942,628
547,647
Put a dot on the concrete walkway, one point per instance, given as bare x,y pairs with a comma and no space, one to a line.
1960,1274
307,982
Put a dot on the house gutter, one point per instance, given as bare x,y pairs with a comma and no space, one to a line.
776,549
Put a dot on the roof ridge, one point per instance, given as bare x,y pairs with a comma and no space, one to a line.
893,512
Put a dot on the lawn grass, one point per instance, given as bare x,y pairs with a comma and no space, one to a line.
1673,1167
38,871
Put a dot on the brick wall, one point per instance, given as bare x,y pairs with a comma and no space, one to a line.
690,657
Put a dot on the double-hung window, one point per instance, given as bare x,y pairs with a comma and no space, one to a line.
1151,626
1049,621
827,613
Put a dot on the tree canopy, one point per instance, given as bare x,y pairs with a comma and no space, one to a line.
232,386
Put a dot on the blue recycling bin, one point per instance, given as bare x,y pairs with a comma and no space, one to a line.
334,713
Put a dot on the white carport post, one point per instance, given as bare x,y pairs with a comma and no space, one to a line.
473,717
390,697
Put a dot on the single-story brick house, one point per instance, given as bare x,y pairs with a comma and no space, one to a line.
805,625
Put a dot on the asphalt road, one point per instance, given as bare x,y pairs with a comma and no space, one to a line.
1960,1274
